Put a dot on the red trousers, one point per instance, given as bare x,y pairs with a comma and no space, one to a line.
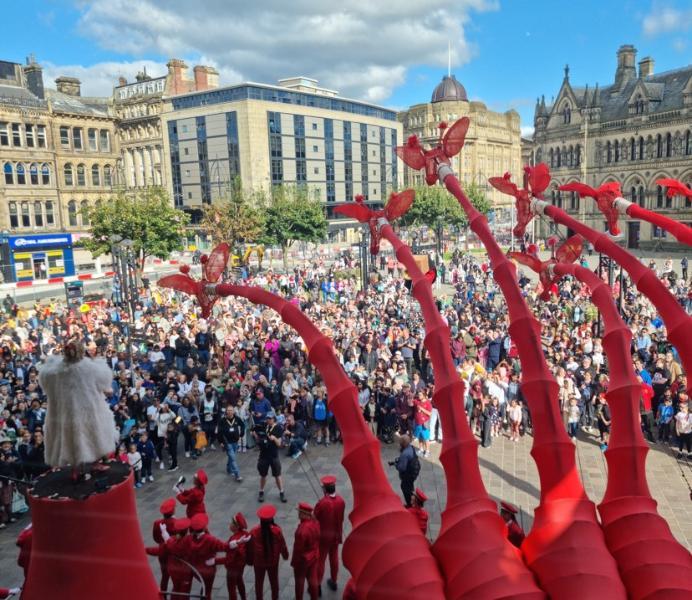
309,572
182,581
234,581
333,553
273,573
163,564
208,575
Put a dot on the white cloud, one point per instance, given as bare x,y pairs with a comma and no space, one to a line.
666,19
359,47
527,131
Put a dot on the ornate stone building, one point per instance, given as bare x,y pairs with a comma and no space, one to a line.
492,143
634,131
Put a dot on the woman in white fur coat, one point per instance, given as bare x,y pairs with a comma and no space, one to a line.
79,426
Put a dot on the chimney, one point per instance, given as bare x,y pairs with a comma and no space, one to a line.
33,72
69,85
626,69
122,81
646,67
176,74
206,78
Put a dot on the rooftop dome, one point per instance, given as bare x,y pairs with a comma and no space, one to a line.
449,89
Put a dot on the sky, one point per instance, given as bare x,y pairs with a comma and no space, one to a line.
504,52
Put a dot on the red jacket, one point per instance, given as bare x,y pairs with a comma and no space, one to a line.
235,558
329,511
194,501
647,395
306,545
24,541
204,548
255,550
421,517
156,529
173,549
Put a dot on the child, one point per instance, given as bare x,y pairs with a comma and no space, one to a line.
664,419
515,415
134,459
146,449
172,444
603,415
495,418
122,454
573,415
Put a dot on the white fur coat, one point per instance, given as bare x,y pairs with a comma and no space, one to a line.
79,425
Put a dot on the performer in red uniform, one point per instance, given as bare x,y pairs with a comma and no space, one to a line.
203,549
24,541
418,499
264,550
306,552
175,549
167,509
329,512
194,497
515,534
235,558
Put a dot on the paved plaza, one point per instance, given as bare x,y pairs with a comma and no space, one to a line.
508,471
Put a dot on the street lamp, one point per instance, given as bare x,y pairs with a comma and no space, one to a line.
122,251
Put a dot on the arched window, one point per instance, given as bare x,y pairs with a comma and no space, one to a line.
566,114
95,176
14,218
33,174
642,197
570,156
552,158
633,194
633,149
577,156
38,214
558,162
617,151
107,176
659,196
668,199
67,174
669,145
84,210
9,173
26,215
609,152
72,213
659,146
558,199
50,215
688,142
574,201
21,175
45,174
641,148
81,175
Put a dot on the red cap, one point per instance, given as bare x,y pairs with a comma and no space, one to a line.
240,521
266,512
199,522
305,507
201,476
328,480
420,494
181,525
167,507
509,507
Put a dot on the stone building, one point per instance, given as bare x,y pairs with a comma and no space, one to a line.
138,108
634,131
492,143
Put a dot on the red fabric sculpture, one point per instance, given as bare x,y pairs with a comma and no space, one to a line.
565,518
386,553
468,504
675,188
611,203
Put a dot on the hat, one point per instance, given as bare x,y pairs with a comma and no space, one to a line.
167,507
420,494
305,507
509,507
240,521
271,415
201,476
328,480
199,522
180,525
266,512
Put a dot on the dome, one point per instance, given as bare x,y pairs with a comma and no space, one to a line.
449,89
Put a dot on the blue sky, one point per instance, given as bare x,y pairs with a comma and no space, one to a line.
506,52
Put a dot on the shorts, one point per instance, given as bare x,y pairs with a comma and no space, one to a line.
263,465
421,433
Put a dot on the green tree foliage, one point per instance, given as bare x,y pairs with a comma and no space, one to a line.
292,215
147,218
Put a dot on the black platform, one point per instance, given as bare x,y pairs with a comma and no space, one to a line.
59,483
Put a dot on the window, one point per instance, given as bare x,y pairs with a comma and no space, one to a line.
558,160
657,232
38,214
314,148
669,145
104,141
77,138
574,201
45,174
72,213
50,215
16,135
186,151
67,174
659,146
642,197
33,174
81,175
93,140
65,137
41,135
29,132
314,126
688,143
21,175
95,176
14,219
9,173
84,209
668,199
577,156
316,170
659,196
26,215
552,160
609,152
4,136
107,177
567,115
633,194
641,148
633,149
617,151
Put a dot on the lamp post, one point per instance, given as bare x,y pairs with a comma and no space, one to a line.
123,256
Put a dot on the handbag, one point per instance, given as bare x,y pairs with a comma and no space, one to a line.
201,441
19,505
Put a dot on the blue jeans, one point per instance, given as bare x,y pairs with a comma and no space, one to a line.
295,445
232,465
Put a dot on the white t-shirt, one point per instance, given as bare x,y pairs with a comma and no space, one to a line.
683,422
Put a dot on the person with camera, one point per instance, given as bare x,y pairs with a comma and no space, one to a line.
408,466
296,436
231,431
269,439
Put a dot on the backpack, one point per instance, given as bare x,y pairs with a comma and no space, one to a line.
413,467
320,411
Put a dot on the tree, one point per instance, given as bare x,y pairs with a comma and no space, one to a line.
236,219
291,215
147,218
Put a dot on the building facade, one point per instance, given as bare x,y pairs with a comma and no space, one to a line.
634,131
295,133
492,142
